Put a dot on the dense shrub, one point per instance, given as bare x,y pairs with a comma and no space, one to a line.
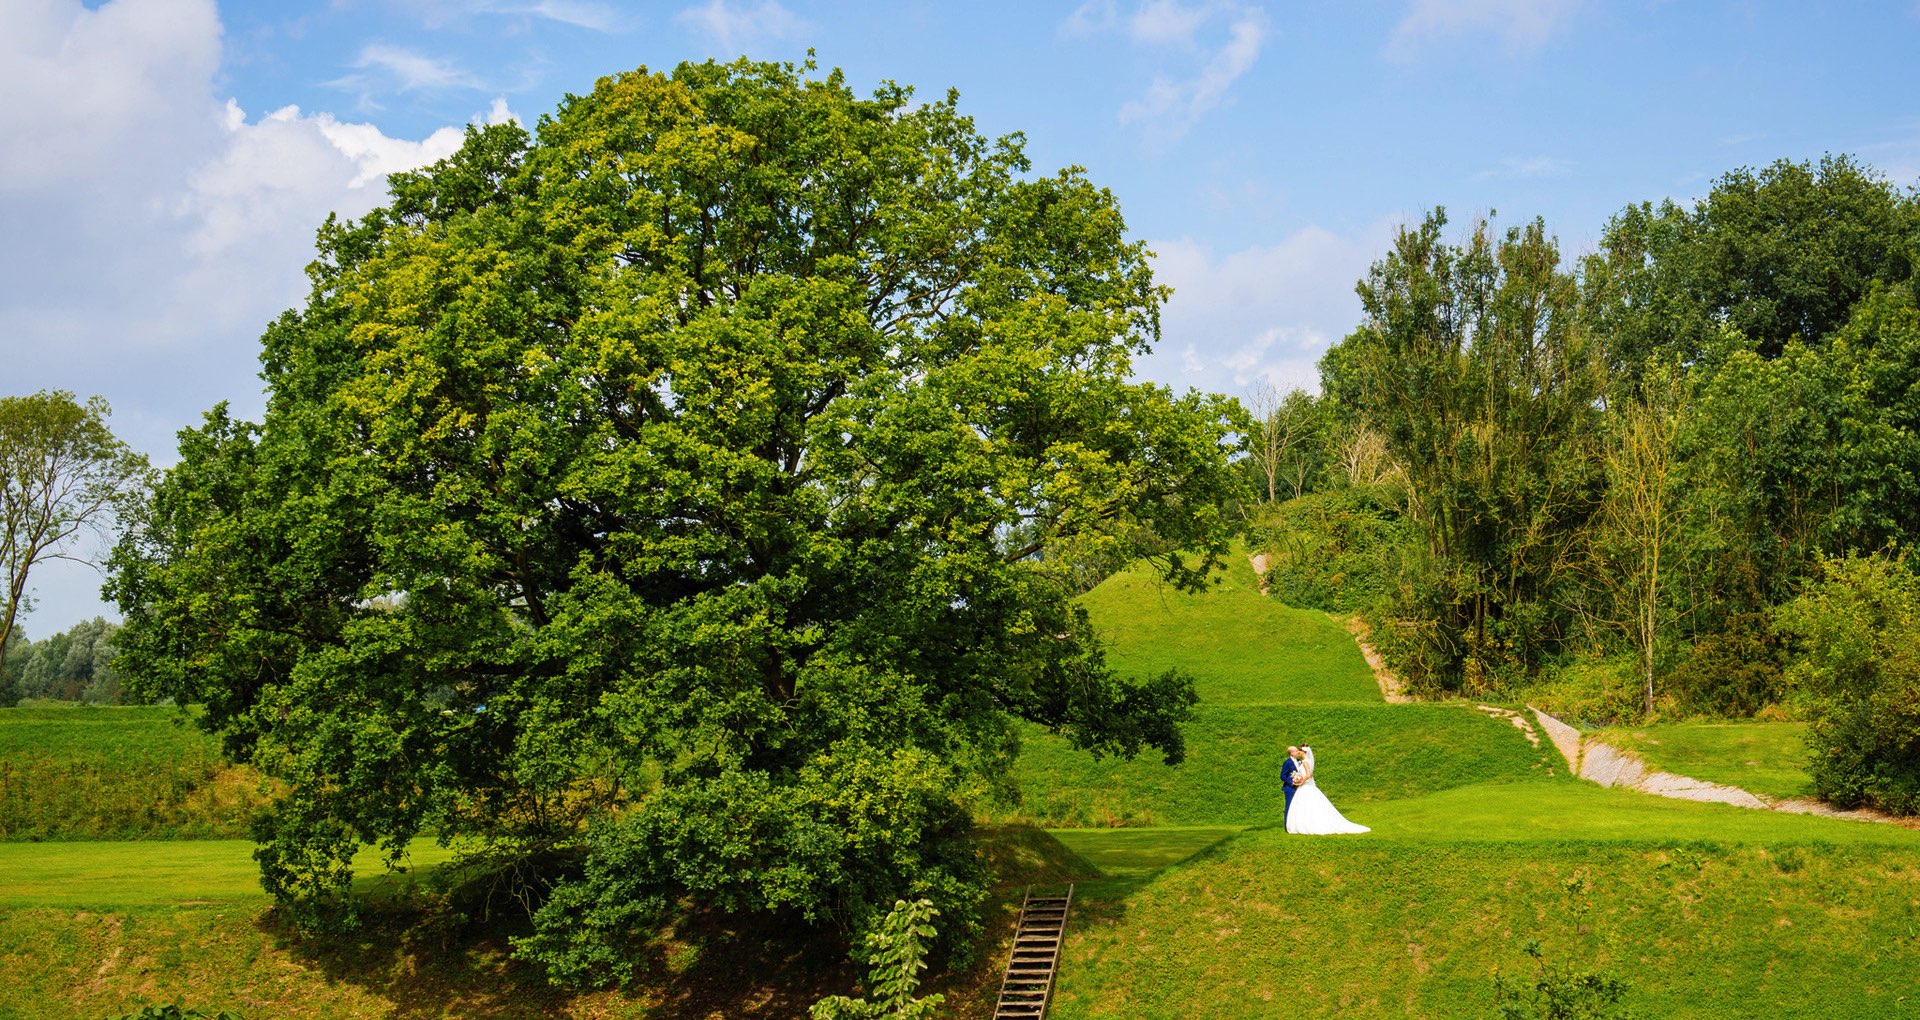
1735,672
1858,670
1336,550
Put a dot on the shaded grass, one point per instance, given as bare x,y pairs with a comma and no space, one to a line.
85,772
1239,645
1232,772
1763,757
1136,853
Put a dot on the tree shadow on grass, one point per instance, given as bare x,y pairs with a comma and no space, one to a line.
1026,859
712,966
434,965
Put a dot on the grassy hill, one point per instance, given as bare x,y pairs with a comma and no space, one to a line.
1268,676
1191,899
1480,843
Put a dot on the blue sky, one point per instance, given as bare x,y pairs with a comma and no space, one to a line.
165,161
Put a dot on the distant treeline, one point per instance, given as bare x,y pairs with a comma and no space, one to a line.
1633,477
73,665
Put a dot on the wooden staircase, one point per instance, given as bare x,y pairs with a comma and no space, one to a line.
1028,985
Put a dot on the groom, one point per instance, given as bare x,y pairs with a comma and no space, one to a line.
1292,774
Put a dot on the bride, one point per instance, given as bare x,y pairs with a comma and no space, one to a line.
1311,813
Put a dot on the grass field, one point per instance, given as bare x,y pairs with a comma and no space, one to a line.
1704,910
1191,900
1767,758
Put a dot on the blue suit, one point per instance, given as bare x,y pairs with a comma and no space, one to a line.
1287,769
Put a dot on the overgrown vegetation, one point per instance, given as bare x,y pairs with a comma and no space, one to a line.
87,773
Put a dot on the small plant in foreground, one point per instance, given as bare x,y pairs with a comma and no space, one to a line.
898,954
174,1012
1559,989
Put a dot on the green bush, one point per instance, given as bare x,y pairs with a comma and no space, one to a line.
1733,673
1858,670
1336,550
1590,692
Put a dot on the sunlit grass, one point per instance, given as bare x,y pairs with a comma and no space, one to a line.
88,773
143,875
1240,646
1763,757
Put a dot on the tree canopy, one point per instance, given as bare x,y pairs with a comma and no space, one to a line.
681,502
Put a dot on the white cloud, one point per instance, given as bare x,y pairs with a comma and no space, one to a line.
1167,22
1522,26
1091,18
1529,167
153,228
1266,312
81,85
382,69
736,28
415,72
598,17
1223,38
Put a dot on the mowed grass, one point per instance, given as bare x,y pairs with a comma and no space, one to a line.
1359,927
1704,910
1232,772
1763,757
1240,646
84,772
141,875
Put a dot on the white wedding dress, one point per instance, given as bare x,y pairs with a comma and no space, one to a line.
1312,814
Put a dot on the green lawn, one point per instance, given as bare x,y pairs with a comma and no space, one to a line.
1240,646
1767,758
143,875
1138,853
1232,772
1269,925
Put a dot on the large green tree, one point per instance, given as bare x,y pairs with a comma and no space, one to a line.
670,502
62,473
1474,366
1774,254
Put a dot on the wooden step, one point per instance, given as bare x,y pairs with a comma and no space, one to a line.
1027,986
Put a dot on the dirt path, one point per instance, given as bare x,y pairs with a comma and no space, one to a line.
1391,687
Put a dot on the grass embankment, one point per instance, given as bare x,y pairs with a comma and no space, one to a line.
1767,758
1704,910
1268,675
70,772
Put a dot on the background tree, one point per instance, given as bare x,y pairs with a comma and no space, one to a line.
664,504
1774,254
1285,438
75,664
61,472
1474,368
1643,515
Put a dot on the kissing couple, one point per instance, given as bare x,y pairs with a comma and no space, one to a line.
1309,812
